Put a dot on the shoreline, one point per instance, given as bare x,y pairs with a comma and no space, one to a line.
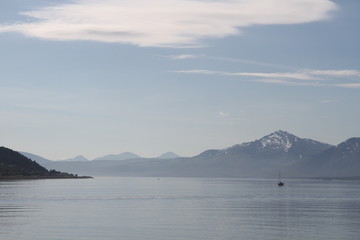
42,177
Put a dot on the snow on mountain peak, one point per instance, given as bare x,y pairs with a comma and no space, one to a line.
352,144
280,140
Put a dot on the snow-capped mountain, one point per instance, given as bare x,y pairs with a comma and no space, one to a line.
278,144
262,157
277,141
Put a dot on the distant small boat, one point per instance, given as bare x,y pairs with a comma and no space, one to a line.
280,183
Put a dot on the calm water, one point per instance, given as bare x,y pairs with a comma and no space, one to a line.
171,208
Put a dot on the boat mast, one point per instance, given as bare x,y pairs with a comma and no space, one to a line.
280,183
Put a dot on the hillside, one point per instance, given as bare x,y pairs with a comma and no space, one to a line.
40,160
342,160
14,165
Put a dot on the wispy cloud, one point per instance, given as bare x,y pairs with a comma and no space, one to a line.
335,73
289,82
182,56
247,61
289,75
316,78
348,85
328,101
164,23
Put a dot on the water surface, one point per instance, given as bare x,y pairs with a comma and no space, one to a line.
179,208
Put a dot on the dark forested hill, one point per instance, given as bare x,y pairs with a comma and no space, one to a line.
14,165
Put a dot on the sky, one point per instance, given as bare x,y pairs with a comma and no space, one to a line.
97,77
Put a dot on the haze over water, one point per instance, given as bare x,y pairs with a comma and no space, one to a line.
173,208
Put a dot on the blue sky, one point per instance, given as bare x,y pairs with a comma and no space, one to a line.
98,77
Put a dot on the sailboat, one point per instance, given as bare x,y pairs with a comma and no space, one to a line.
280,183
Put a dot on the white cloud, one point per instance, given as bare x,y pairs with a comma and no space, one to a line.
163,23
182,56
223,114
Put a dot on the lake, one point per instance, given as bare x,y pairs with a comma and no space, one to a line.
179,208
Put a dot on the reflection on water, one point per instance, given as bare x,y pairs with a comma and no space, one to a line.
13,212
146,208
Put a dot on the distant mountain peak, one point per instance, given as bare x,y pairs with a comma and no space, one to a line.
282,132
168,155
353,143
121,156
279,144
349,147
79,158
279,140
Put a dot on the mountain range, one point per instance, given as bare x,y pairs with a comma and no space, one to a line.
295,156
120,156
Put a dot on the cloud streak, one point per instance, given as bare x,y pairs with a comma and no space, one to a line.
163,23
348,85
288,75
182,56
315,78
335,73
